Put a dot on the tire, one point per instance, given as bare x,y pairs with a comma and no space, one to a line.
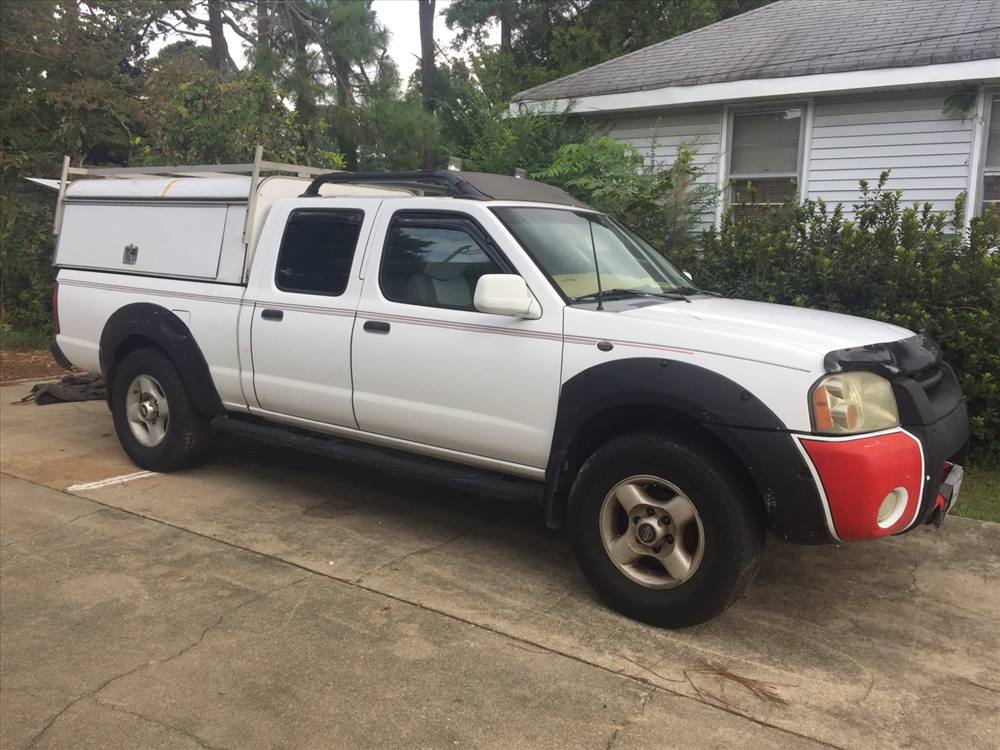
666,476
161,442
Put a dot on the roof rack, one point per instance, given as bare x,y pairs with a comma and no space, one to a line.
254,168
437,182
453,183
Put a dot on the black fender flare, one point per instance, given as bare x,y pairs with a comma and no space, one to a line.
144,320
720,406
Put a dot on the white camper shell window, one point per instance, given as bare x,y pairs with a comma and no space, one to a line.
764,158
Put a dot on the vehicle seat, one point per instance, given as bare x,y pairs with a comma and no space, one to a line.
440,284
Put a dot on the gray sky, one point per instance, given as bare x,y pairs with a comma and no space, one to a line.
399,16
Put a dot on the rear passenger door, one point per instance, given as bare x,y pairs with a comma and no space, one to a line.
431,369
304,313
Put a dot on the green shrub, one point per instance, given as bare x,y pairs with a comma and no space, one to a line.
663,205
26,272
906,265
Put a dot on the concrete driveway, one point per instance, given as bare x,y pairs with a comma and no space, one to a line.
269,599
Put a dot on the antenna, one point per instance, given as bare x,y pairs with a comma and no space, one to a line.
597,269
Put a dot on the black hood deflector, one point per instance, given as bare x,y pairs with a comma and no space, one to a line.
890,359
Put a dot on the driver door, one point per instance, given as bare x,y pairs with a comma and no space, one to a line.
431,369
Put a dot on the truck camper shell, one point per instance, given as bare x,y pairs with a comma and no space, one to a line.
197,222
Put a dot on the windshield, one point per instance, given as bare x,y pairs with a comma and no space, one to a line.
564,243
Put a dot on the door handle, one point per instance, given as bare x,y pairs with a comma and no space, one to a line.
270,314
377,326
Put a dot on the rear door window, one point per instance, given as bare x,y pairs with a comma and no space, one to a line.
317,251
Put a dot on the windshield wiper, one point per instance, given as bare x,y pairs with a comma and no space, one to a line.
688,291
606,293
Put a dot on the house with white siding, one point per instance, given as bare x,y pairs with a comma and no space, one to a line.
803,98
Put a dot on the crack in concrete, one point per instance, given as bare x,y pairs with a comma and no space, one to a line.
83,696
650,670
424,550
183,732
534,612
157,662
53,528
408,555
218,621
643,700
979,685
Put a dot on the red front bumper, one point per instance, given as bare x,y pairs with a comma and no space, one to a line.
870,485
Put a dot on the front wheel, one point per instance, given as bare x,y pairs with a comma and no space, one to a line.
156,422
663,529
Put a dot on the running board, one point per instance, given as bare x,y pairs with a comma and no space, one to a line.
483,482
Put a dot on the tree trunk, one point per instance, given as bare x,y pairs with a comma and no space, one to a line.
220,49
264,54
505,44
427,66
340,69
427,53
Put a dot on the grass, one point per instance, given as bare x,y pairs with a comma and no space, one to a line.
980,495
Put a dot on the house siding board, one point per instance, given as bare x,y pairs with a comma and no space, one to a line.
658,137
853,137
863,158
909,133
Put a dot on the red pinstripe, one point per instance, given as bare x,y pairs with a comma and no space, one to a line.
347,312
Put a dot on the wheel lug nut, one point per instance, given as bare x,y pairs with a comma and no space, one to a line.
650,511
664,521
635,519
669,539
656,550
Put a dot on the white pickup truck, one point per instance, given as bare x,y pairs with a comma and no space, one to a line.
497,334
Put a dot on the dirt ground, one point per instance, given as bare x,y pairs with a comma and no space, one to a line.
19,364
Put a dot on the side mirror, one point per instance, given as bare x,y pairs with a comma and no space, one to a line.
506,294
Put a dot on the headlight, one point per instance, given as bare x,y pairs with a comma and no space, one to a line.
847,403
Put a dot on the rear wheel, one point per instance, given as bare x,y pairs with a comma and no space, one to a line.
156,422
663,529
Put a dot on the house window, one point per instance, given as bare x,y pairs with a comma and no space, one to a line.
991,165
764,159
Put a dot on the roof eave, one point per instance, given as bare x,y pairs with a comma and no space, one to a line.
987,70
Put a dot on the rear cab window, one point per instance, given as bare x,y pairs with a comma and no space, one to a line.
317,251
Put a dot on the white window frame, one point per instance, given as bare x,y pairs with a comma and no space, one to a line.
977,196
726,176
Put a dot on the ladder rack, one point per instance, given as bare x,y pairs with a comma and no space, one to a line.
254,168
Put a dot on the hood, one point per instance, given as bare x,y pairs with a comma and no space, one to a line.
816,330
780,334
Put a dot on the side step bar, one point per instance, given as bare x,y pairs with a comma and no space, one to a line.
397,463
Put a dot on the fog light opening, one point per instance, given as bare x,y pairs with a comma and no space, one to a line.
892,508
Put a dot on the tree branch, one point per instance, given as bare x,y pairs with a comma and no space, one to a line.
232,24
194,20
185,31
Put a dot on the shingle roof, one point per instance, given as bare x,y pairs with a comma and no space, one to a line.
795,38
